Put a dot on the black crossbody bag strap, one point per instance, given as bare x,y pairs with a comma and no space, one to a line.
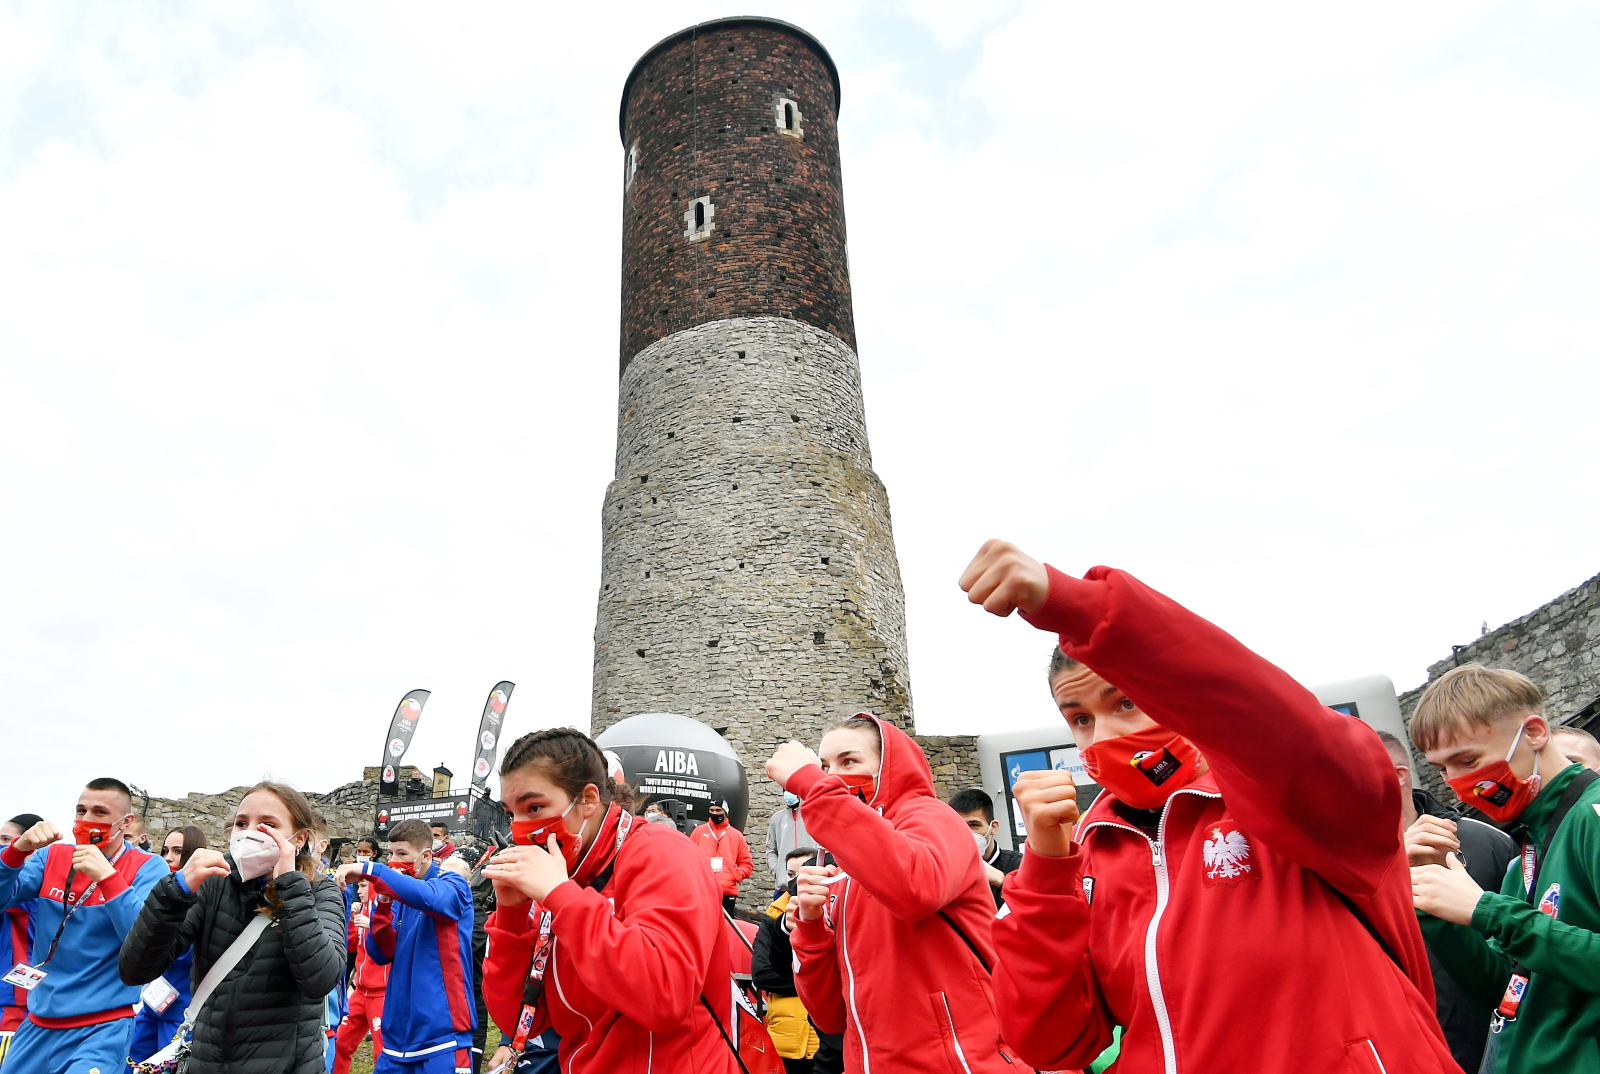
1569,798
968,941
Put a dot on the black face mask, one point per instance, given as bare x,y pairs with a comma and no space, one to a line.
794,887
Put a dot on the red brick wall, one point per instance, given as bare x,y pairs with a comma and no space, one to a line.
700,111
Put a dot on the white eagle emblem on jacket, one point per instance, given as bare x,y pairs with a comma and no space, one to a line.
1227,855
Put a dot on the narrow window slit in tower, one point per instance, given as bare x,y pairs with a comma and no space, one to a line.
643,478
699,215
794,417
788,117
818,638
824,562
740,354
713,643
671,435
639,651
736,421
652,500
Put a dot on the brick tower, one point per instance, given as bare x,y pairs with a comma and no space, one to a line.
749,576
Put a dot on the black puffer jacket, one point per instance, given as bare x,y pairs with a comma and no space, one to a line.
266,1016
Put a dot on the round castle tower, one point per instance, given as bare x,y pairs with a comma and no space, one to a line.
749,576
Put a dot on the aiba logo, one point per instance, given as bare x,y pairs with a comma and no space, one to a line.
677,761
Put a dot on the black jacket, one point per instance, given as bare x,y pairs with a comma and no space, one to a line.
1008,862
1486,852
771,957
266,1016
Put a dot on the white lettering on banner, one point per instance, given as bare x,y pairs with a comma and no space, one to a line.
677,761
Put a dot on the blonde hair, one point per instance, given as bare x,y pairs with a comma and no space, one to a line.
1472,694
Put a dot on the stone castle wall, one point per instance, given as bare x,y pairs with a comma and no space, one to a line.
348,808
1557,646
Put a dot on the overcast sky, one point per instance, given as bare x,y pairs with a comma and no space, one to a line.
308,322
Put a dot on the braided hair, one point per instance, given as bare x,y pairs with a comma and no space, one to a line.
571,760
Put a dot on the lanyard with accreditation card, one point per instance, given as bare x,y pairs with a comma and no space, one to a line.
27,977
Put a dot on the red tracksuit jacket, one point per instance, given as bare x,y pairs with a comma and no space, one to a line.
1222,943
729,845
629,965
883,966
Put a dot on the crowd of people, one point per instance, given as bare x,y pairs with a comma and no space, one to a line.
1261,884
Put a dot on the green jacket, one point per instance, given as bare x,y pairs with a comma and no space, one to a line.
1558,1025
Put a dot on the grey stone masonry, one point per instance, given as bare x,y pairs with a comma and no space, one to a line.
349,809
748,574
954,759
1557,646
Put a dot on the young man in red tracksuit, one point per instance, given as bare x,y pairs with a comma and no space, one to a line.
424,934
367,985
1238,898
727,852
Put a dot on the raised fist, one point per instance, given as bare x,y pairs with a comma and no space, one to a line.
811,895
789,759
1003,579
40,835
1049,805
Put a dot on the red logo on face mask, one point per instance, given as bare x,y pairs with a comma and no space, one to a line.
88,833
404,867
1144,768
1496,789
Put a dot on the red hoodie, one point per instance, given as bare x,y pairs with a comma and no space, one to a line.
1223,943
885,965
629,964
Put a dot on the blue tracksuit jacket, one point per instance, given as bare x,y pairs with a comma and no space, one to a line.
425,935
82,978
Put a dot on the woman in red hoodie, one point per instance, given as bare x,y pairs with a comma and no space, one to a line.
894,950
608,930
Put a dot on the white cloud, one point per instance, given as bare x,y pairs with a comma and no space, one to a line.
307,363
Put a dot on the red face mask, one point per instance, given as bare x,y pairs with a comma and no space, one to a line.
1496,789
405,868
89,833
1144,768
865,786
536,832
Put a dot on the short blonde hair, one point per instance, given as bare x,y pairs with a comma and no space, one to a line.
1472,694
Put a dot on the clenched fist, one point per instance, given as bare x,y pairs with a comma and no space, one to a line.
811,895
40,835
1003,579
790,758
1049,805
91,861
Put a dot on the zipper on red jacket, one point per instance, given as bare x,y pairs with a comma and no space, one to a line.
850,971
1152,967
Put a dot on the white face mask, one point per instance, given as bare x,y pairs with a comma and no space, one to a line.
982,841
255,853
363,857
438,845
